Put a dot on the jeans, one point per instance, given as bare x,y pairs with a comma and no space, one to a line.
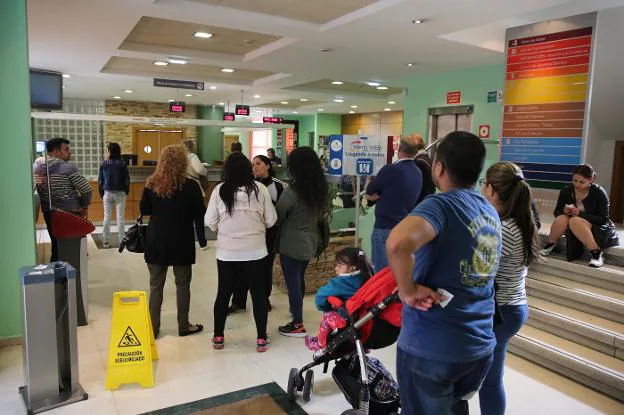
294,271
229,272
378,242
492,395
438,388
158,276
117,198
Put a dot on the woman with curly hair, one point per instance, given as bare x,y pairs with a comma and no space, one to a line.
173,203
302,217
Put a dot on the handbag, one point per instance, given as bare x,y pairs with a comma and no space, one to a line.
134,238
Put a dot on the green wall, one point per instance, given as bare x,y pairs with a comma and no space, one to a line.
327,124
17,238
429,91
306,126
210,139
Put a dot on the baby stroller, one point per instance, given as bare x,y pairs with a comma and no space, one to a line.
373,322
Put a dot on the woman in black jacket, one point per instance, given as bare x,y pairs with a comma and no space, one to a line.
263,172
582,213
173,203
114,186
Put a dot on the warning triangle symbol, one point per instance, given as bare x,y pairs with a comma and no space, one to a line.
129,339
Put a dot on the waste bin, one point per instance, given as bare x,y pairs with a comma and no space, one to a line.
48,296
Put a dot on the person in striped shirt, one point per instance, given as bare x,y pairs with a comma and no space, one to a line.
70,190
505,188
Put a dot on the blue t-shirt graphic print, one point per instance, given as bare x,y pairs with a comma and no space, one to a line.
463,260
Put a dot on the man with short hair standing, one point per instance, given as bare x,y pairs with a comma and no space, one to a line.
450,241
395,189
70,190
273,157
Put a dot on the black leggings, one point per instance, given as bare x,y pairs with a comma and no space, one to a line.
240,288
252,274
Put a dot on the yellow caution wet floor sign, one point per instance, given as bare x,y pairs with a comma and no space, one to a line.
132,347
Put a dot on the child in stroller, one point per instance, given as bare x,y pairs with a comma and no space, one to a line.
373,322
353,269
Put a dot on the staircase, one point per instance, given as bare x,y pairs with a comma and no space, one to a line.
576,323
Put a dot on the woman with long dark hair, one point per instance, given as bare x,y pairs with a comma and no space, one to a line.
303,212
505,188
582,213
173,203
263,173
114,186
240,210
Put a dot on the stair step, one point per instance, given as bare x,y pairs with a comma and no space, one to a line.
580,296
603,335
610,277
582,364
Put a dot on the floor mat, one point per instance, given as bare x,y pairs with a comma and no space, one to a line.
268,399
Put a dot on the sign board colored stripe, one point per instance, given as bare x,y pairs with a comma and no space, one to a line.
543,124
541,73
531,150
546,47
548,64
545,116
559,106
555,54
547,168
555,132
523,158
551,37
556,177
543,142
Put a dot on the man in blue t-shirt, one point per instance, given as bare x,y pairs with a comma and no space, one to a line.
396,189
451,241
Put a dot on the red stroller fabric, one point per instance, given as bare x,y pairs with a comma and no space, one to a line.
378,287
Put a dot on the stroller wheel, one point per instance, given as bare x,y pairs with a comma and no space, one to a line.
307,385
292,384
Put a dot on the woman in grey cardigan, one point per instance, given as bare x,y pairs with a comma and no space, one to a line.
302,213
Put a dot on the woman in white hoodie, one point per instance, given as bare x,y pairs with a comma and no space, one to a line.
240,210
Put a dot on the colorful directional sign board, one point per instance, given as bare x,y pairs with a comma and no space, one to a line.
547,79
357,155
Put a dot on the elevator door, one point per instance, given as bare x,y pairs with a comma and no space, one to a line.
448,119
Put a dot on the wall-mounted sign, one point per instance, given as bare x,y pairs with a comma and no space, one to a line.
174,83
495,96
242,110
484,131
357,155
272,120
177,107
453,97
229,116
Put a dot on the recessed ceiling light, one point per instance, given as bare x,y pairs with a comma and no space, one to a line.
285,102
387,109
354,106
171,100
382,88
188,95
128,91
373,83
320,110
326,50
161,63
337,82
295,112
64,87
227,70
339,100
213,87
177,61
203,35
221,103
351,112
256,96
409,65
303,100
418,21
66,75
391,102
117,97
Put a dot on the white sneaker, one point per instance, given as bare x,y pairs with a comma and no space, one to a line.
547,249
106,245
597,260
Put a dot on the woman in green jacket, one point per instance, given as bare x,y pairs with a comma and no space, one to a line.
302,217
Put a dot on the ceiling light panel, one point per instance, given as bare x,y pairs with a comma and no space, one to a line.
227,70
203,35
177,61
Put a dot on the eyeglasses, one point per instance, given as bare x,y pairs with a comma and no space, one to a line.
482,182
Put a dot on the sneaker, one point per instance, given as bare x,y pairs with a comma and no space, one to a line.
106,245
293,330
548,248
596,260
203,248
262,345
235,309
218,342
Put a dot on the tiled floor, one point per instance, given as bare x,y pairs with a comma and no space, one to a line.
189,369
